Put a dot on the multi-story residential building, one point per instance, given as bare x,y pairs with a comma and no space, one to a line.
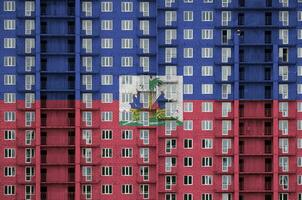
151,99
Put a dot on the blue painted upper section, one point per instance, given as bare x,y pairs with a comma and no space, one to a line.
59,69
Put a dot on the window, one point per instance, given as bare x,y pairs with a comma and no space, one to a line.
207,106
9,116
106,61
206,162
207,16
106,116
87,45
106,171
207,71
188,196
126,171
188,161
87,8
29,8
207,88
207,1
9,79
106,97
127,134
207,143
106,6
9,153
207,34
106,79
299,161
127,6
188,70
225,17
106,25
9,43
87,26
188,52
86,191
127,25
207,196
9,6
9,97
127,61
188,15
188,89
126,189
127,43
107,43
9,61
188,34
188,125
207,52
107,153
9,135
9,190
9,24
9,171
206,125
188,106
206,180
106,189
188,144
188,180
126,153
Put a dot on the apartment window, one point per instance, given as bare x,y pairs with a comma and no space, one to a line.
9,135
207,88
207,196
126,171
188,88
299,161
207,143
106,25
188,34
284,17
9,116
9,171
188,196
188,125
106,134
126,153
207,34
127,6
106,97
106,61
9,24
188,70
126,189
188,180
87,26
106,171
87,8
29,8
106,43
106,189
127,134
9,79
9,153
9,190
106,116
188,143
207,106
9,6
107,153
206,180
207,52
9,43
127,43
106,6
207,16
299,34
188,15
225,17
9,61
127,25
206,125
206,162
188,161
299,15
207,71
106,79
9,97
127,61
144,136
188,107
86,191
87,45
144,8
188,52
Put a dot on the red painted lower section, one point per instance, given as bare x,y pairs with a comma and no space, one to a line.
59,147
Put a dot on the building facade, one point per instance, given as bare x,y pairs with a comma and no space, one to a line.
151,99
